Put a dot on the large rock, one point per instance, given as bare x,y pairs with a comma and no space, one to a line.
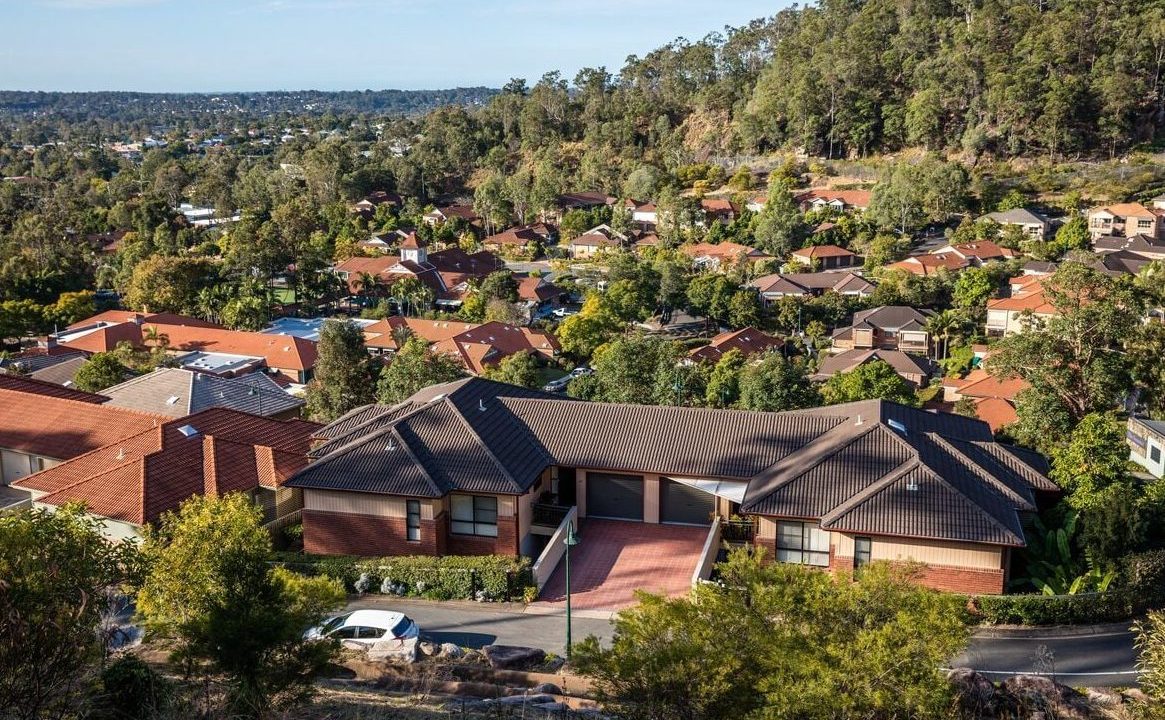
513,657
1030,694
548,688
395,651
976,694
533,699
450,650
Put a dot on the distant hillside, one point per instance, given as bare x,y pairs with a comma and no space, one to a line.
134,105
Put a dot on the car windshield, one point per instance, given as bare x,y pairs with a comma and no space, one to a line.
330,625
401,627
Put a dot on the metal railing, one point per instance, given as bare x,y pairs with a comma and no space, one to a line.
738,532
548,514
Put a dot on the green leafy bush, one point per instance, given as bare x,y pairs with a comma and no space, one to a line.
437,578
1083,608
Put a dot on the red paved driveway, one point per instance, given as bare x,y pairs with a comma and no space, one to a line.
615,558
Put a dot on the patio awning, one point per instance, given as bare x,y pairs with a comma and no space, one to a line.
731,489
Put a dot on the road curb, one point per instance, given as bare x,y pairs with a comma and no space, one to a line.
1053,631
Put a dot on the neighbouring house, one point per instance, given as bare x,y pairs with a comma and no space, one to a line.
1150,247
749,341
977,253
1039,267
386,241
839,200
442,215
58,368
1116,264
1030,222
597,240
1123,219
805,285
447,273
366,206
585,201
131,482
890,327
914,369
176,392
514,240
718,210
994,397
1024,304
645,215
926,265
1146,440
721,256
41,427
476,346
475,467
825,257
33,386
645,241
536,291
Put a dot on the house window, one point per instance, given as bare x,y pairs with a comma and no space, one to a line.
1154,453
802,544
862,547
1144,224
474,515
413,511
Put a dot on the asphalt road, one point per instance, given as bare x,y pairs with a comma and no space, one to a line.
1095,657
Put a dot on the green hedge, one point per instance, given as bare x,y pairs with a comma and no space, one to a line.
1142,588
440,578
1081,609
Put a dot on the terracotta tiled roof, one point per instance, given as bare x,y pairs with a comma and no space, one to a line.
854,198
1027,294
536,289
822,251
59,428
748,341
981,250
1126,210
514,236
107,338
138,478
723,251
929,264
474,345
280,351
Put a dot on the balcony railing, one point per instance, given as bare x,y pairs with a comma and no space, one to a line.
547,514
737,532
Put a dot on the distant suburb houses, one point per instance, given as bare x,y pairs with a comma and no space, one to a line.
463,468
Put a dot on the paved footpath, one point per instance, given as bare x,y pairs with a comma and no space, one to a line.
1096,656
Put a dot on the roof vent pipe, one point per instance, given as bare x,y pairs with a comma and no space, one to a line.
480,405
859,420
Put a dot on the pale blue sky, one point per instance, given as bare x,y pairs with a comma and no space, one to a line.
220,45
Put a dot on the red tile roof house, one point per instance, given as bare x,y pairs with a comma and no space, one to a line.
806,285
721,256
474,346
840,200
994,397
442,215
471,467
977,253
596,241
719,210
926,265
825,257
748,341
131,482
40,428
447,273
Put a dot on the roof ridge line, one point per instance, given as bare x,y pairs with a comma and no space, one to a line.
94,451
485,448
870,490
416,461
970,501
980,470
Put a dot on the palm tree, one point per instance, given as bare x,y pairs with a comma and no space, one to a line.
942,325
369,284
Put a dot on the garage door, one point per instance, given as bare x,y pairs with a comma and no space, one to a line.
615,496
679,503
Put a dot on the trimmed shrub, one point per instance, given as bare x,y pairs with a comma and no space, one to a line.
1084,608
438,578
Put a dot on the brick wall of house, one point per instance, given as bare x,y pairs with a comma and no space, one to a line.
940,577
331,533
506,543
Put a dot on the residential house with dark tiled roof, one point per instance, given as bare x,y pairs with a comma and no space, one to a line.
890,327
914,369
804,285
441,215
133,480
477,467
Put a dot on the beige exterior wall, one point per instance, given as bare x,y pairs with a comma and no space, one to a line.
766,528
931,552
389,506
114,530
15,464
651,498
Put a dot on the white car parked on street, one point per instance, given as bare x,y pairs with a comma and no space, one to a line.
368,627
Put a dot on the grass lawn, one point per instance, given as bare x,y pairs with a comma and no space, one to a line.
551,373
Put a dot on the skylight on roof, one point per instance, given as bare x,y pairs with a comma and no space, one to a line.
897,426
188,431
172,400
